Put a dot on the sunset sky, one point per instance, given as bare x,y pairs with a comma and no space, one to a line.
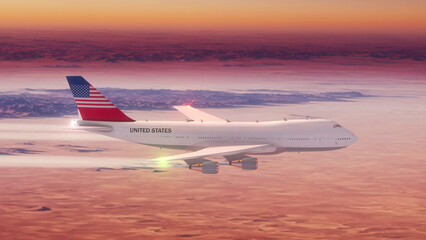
358,62
358,39
269,15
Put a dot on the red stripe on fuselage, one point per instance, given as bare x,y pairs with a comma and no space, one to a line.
104,114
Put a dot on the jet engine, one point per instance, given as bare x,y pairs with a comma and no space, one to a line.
203,165
243,162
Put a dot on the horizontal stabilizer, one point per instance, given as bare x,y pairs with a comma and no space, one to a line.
94,129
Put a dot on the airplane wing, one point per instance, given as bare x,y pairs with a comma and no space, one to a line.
214,151
197,115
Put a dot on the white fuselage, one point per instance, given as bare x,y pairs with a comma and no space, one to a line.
291,135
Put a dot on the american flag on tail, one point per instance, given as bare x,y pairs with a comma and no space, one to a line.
88,96
92,104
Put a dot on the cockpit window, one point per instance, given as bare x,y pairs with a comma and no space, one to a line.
336,126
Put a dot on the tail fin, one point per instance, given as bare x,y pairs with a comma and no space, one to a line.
93,105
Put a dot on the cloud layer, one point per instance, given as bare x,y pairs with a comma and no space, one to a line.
82,47
55,103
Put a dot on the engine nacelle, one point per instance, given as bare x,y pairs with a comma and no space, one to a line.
206,167
245,163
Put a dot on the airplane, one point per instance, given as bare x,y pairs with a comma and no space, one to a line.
204,135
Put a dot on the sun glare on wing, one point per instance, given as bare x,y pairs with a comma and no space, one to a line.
162,163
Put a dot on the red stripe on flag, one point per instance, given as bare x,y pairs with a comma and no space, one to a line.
93,100
94,104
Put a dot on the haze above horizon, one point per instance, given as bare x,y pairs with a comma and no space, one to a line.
397,16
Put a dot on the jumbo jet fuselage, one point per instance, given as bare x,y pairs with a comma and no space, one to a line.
204,135
291,135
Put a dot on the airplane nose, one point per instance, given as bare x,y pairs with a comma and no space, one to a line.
354,138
